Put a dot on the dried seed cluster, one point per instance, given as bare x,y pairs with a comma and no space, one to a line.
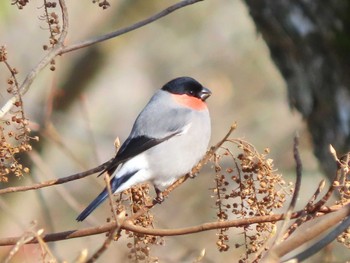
14,131
51,18
139,244
248,187
3,54
20,3
102,3
343,188
343,185
344,238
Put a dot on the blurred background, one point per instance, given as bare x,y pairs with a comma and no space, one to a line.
95,94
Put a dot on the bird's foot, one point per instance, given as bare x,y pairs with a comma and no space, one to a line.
160,198
192,175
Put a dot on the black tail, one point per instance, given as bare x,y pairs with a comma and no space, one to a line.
115,184
94,204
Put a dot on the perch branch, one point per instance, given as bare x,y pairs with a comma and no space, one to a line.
104,165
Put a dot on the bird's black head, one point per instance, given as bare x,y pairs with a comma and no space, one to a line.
188,86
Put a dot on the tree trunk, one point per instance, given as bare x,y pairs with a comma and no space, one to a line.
309,42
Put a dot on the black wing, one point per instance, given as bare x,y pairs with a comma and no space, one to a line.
133,147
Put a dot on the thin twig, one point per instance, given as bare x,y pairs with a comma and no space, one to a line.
110,196
44,247
104,246
127,29
56,181
119,220
308,213
21,241
298,172
332,187
317,193
26,237
311,209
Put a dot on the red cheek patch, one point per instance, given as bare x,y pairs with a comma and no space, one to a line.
189,101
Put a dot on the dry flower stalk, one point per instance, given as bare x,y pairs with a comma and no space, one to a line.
14,129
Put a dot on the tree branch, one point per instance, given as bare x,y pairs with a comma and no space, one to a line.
55,181
60,49
127,29
127,225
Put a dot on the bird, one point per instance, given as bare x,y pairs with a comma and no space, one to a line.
168,138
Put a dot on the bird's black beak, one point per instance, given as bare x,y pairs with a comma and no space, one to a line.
204,94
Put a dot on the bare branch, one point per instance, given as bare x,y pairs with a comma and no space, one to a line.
332,187
298,171
104,246
110,196
127,225
56,181
127,29
119,221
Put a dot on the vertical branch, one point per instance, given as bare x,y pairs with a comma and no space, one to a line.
110,196
298,170
43,63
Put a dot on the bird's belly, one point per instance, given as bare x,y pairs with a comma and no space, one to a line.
174,158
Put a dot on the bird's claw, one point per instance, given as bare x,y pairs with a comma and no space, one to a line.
159,198
192,175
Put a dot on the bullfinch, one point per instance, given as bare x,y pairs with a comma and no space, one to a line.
168,138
